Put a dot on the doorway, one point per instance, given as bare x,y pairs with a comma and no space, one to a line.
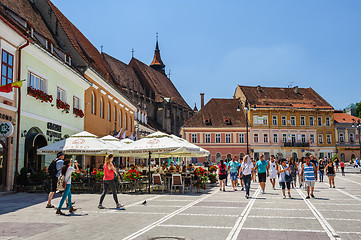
3,166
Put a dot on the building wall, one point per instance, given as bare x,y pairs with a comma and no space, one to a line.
347,149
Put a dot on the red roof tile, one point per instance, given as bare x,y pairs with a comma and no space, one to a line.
284,97
159,83
341,117
217,111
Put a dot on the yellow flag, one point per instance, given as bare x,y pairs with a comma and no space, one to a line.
17,84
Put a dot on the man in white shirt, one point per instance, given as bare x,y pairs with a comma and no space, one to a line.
245,172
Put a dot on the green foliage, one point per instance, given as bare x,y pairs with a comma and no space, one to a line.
334,157
75,177
213,178
358,109
39,176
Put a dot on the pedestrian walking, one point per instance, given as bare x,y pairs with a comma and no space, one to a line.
299,168
222,175
245,172
109,181
273,168
342,165
233,172
262,169
54,172
293,168
226,163
337,163
241,178
321,169
330,172
254,173
67,171
310,173
285,178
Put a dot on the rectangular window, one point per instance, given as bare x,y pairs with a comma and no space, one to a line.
208,138
320,138
341,137
265,138
311,121
275,138
241,138
328,122
265,120
120,118
328,138
194,137
218,138
255,138
36,82
7,66
293,138
274,120
284,120
303,122
352,138
303,138
76,102
228,138
255,120
293,120
284,137
312,138
60,94
319,121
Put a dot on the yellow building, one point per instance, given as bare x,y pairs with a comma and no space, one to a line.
288,122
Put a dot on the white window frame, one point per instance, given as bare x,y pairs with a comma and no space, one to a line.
341,137
207,138
274,120
92,103
194,137
283,120
328,122
255,119
255,137
303,138
41,79
320,138
228,138
311,121
312,138
108,112
293,120
284,137
318,121
74,102
265,138
101,107
218,138
328,139
241,137
275,138
120,118
62,95
302,121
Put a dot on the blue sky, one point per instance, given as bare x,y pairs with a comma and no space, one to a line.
211,46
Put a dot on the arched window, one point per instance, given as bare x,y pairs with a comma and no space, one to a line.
92,103
120,118
125,121
101,108
115,114
109,119
130,123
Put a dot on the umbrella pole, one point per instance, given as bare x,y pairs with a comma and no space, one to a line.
149,177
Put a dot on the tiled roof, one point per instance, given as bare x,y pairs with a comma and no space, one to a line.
216,112
31,15
123,73
284,97
341,117
83,46
159,83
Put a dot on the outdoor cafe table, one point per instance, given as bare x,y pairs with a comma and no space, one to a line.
168,179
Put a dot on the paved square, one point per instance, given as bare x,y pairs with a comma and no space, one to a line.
333,214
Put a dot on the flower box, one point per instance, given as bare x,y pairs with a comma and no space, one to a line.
62,105
38,94
78,112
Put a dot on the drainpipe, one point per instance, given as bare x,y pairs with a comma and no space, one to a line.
19,113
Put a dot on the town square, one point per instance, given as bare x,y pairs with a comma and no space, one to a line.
157,119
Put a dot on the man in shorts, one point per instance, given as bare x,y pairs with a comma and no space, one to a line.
309,170
272,166
233,171
54,179
262,169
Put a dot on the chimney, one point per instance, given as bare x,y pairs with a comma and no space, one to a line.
295,89
259,88
202,100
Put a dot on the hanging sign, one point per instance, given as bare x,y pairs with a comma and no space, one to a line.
6,129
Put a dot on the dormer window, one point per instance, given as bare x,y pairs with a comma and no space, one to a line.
67,59
227,121
207,121
49,46
29,29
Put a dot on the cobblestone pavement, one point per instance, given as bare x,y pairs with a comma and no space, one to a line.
334,214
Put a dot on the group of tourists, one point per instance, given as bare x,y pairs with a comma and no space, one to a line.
306,170
60,171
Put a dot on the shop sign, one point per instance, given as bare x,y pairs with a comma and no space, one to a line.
54,130
6,129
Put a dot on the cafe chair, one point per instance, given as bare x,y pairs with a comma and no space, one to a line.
177,182
157,181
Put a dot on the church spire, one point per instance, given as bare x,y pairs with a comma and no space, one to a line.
157,63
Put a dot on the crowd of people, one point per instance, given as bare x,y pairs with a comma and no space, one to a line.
306,171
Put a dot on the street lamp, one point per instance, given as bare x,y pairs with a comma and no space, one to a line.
246,115
357,124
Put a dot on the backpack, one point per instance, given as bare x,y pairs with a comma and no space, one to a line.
61,184
52,169
223,170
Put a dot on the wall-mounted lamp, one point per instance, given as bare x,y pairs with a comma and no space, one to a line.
23,133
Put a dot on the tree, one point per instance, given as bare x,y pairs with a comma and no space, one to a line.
358,110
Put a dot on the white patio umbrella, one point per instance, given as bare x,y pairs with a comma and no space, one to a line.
201,152
83,143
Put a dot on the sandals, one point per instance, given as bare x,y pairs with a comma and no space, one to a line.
49,206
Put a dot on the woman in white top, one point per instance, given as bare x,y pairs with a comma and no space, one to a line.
66,171
284,180
300,176
272,166
245,171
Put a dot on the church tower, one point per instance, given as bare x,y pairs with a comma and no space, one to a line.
157,63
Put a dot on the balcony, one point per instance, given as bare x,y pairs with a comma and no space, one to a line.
296,144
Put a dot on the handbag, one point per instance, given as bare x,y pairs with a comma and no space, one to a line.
61,184
288,178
